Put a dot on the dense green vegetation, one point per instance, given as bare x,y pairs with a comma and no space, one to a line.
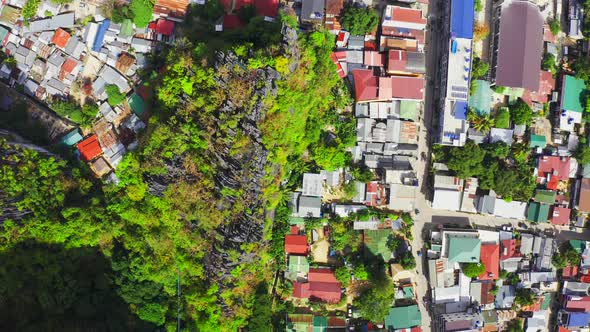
139,11
502,118
566,256
30,9
492,165
71,110
359,20
554,26
524,297
521,113
152,238
473,270
115,97
548,63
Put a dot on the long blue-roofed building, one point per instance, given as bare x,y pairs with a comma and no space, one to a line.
455,64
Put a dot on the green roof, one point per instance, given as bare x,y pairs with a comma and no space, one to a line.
545,196
137,104
436,247
464,249
546,301
320,324
298,264
571,94
408,292
538,212
481,100
513,93
126,28
403,317
71,138
408,110
578,245
376,243
538,141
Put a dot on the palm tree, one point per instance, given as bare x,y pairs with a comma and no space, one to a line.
481,123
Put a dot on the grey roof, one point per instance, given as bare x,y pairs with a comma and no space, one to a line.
74,47
58,21
520,46
374,148
356,43
519,130
363,129
111,76
486,204
526,244
476,136
106,111
575,288
505,297
312,185
361,110
141,45
309,206
501,135
312,10
55,87
543,261
31,87
134,123
416,62
57,58
354,56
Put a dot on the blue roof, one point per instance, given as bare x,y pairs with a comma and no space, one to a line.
578,319
462,12
102,29
72,137
460,110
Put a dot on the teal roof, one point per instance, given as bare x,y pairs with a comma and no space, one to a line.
137,104
578,245
408,110
538,212
545,196
71,138
481,100
538,141
408,292
3,33
586,171
513,93
298,264
126,28
403,317
464,249
547,298
571,94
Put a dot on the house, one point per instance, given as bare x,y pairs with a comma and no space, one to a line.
99,39
312,11
344,210
490,257
403,23
538,212
575,19
313,185
141,45
505,297
480,294
403,317
401,62
298,267
584,196
89,148
171,9
296,244
543,257
577,303
10,15
61,38
573,320
369,88
322,285
402,197
403,132
460,321
448,193
540,96
306,206
501,135
71,138
526,244
560,216
552,169
572,105
373,59
333,10
65,20
498,207
516,57
468,202
574,288
538,141
308,322
464,249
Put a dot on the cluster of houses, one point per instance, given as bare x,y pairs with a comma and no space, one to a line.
64,55
487,302
516,50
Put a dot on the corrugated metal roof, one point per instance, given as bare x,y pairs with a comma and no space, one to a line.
462,13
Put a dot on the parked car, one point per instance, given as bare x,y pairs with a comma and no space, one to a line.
507,228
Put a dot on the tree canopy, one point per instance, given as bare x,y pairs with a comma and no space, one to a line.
473,270
521,113
359,20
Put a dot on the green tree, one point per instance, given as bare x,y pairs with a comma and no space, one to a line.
524,297
478,6
554,26
479,68
360,272
467,160
502,118
482,123
362,173
115,97
406,260
359,20
473,270
515,325
582,154
374,303
30,9
141,12
521,113
548,63
582,64
343,275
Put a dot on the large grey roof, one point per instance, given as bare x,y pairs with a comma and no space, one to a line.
520,46
58,21
416,62
312,9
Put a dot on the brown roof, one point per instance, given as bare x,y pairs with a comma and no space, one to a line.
584,204
486,297
334,7
174,8
520,46
124,62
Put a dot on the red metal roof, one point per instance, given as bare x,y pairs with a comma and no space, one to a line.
89,148
339,69
546,86
60,38
397,61
536,306
402,14
373,58
570,272
408,87
164,27
584,202
555,166
67,67
321,285
294,230
321,275
385,88
509,250
490,257
561,216
578,304
365,85
296,244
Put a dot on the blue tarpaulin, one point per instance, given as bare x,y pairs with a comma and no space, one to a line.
102,30
461,110
462,12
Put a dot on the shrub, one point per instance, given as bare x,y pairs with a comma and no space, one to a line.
342,275
115,97
502,118
30,9
358,20
142,12
554,26
473,270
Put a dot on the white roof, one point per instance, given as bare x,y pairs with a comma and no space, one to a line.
575,117
447,199
459,69
454,130
402,197
511,210
344,210
526,243
312,185
446,294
